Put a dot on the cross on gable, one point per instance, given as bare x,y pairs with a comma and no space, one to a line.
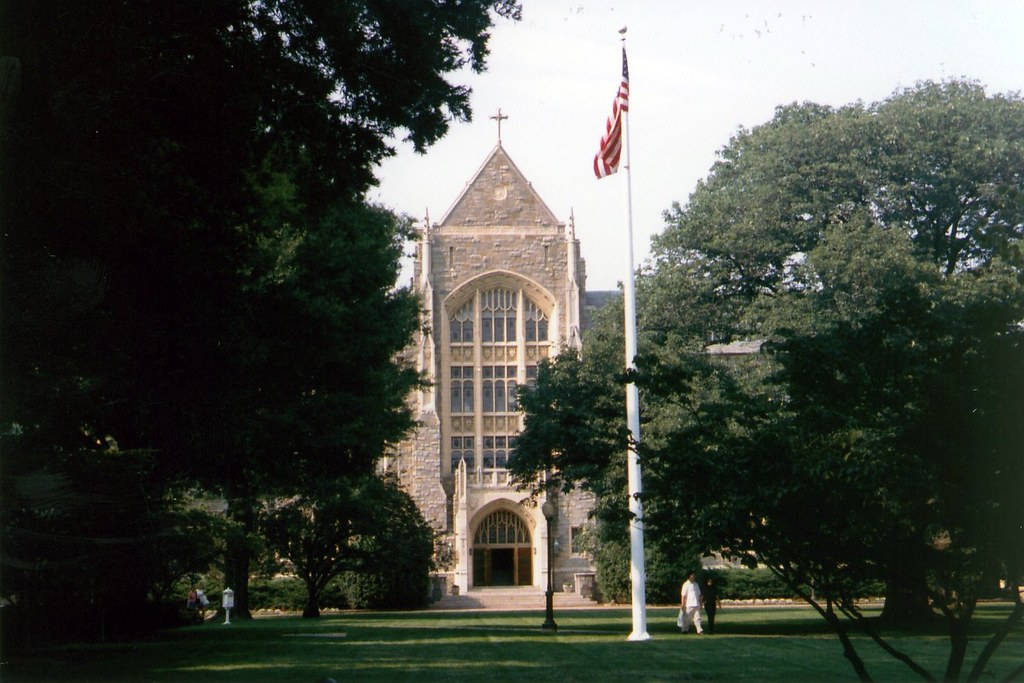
499,117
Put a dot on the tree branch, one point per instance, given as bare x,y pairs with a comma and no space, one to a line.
996,640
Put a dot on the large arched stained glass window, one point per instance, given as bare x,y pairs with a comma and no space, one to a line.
497,335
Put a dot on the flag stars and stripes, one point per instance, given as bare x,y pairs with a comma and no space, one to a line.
606,161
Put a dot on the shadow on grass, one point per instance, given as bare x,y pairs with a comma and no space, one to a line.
763,644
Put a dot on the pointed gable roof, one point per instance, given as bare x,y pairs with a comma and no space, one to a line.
499,195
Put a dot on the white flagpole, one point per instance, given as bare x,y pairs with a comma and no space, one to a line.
637,572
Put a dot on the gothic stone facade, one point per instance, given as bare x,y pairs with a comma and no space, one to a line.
501,281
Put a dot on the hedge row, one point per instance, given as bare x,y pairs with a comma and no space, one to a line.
762,584
348,592
664,582
351,590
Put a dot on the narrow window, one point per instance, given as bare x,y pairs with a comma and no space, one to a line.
486,326
536,323
488,452
576,540
456,381
467,392
461,325
462,389
499,395
488,389
462,449
500,452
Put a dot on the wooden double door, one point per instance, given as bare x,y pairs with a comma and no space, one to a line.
502,551
496,566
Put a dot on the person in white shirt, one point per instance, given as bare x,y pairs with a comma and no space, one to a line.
689,604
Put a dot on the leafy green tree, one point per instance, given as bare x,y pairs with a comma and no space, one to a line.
891,276
576,432
877,248
316,534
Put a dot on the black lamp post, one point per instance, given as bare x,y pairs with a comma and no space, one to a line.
548,508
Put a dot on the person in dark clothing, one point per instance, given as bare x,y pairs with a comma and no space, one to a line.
710,593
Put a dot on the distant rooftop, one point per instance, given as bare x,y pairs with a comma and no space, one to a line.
737,348
592,301
596,300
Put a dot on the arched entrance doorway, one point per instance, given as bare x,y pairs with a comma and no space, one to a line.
502,552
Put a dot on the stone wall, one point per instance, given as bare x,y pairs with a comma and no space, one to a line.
573,511
417,462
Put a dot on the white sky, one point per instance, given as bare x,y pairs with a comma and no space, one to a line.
698,71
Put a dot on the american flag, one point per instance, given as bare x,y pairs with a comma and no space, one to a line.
606,161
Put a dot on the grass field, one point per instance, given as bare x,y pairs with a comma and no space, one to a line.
751,644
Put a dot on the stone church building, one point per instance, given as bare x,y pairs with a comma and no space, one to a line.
502,286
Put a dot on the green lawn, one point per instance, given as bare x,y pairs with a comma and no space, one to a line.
752,644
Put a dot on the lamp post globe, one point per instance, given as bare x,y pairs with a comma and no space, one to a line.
548,509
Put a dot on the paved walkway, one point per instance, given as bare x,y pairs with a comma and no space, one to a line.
510,598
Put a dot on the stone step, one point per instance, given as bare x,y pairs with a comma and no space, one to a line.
525,598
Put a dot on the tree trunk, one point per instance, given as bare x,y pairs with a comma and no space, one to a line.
236,577
957,648
314,586
312,610
848,649
238,556
996,640
906,601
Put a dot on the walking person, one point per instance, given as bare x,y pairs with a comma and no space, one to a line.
710,593
689,604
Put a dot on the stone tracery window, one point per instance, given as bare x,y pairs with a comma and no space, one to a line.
536,323
497,335
497,316
502,528
461,324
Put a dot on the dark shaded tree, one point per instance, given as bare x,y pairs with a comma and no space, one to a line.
399,553
188,266
365,528
315,534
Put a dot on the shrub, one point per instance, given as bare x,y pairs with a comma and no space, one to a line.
399,555
762,584
664,574
750,584
288,593
284,593
613,583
